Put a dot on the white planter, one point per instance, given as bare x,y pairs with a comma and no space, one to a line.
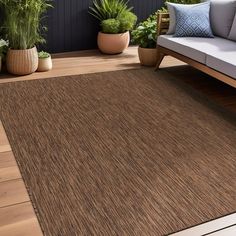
45,64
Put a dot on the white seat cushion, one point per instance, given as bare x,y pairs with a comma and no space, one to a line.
224,62
194,48
217,53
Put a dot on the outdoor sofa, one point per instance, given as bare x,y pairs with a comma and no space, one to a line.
214,56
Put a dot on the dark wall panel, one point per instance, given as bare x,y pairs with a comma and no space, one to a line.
71,28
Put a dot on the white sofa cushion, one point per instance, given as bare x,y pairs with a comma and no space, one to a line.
184,46
222,14
217,53
225,62
232,34
192,47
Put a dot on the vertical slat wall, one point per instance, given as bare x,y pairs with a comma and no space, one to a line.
71,28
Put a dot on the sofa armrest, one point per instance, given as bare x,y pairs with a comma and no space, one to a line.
163,20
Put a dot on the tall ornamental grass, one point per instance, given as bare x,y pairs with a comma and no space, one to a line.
22,22
108,9
115,15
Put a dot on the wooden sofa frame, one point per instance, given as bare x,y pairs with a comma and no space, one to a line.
162,27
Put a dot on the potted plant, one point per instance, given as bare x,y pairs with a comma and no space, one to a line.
116,20
45,61
3,49
145,35
23,30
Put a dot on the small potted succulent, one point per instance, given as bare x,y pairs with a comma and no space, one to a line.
3,50
145,35
116,21
45,61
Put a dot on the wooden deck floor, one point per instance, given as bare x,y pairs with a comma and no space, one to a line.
17,216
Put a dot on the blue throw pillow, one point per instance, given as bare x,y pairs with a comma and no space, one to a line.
194,21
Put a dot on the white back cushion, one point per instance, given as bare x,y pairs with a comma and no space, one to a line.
222,14
232,34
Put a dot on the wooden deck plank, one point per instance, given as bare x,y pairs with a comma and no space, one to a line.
7,159
12,214
5,148
81,62
8,167
4,144
208,227
22,228
231,231
12,192
9,173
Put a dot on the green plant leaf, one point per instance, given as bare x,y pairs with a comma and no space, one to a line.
22,22
145,34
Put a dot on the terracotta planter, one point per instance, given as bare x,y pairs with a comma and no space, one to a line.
113,43
147,56
45,64
22,62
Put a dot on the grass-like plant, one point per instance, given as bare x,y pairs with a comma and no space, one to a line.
22,22
115,15
108,9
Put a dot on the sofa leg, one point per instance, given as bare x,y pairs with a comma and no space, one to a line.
160,57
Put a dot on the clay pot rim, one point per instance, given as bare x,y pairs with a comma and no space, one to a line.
100,32
21,49
148,48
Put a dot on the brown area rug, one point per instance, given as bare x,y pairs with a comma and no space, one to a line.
121,153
